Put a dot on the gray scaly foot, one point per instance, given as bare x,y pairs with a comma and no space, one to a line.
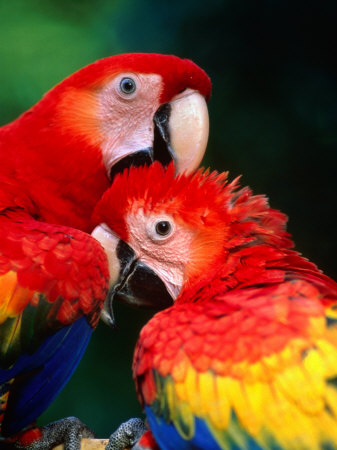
126,434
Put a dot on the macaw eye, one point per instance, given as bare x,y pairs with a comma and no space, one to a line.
163,228
127,85
159,229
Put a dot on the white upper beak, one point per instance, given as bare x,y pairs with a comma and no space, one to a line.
188,129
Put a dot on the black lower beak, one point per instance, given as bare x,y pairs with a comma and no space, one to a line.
143,288
140,158
137,284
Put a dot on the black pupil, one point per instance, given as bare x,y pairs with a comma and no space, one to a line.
128,85
163,227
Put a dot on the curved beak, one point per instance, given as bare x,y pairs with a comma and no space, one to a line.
131,281
179,133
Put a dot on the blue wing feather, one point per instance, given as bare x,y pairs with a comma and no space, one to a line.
168,437
43,374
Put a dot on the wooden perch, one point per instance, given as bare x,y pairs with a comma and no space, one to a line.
89,444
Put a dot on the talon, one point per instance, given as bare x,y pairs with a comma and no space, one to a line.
127,434
68,431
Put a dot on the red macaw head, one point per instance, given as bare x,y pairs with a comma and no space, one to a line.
139,108
164,232
128,108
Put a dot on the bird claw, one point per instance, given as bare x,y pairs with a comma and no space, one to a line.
72,431
68,431
127,434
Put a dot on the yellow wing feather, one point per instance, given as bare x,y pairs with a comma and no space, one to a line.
13,297
288,398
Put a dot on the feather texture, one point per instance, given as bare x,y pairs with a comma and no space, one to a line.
53,281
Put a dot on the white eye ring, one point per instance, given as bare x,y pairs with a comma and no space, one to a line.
160,228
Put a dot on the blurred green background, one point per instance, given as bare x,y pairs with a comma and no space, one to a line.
273,118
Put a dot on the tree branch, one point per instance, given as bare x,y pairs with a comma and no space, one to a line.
89,444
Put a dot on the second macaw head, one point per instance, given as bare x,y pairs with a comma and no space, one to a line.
164,233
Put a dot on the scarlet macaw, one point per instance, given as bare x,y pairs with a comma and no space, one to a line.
56,160
246,357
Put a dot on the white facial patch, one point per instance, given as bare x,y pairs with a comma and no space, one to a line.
166,257
127,120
